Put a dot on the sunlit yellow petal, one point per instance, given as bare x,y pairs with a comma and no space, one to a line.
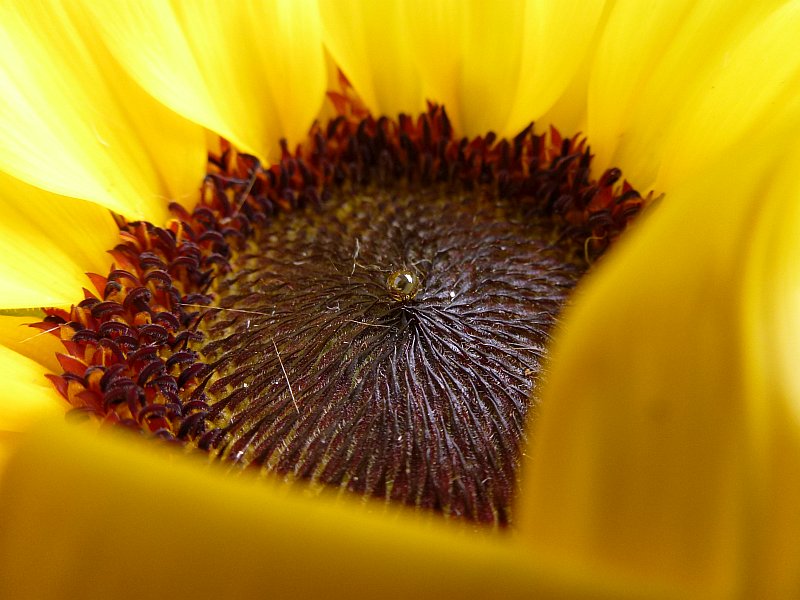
369,41
556,38
47,244
753,85
36,344
223,538
72,123
465,53
658,61
569,112
253,72
25,393
668,441
498,69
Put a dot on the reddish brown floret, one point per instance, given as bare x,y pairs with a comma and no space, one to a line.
131,345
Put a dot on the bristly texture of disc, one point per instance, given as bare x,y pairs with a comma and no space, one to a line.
370,313
331,375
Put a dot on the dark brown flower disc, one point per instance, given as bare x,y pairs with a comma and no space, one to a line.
371,312
325,371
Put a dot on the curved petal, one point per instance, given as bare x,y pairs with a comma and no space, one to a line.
35,344
176,528
253,72
73,123
8,442
47,244
369,41
668,441
673,81
569,112
752,86
493,69
557,39
25,396
499,69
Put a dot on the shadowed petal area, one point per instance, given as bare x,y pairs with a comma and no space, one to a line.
8,441
16,335
218,537
676,452
253,72
72,123
26,395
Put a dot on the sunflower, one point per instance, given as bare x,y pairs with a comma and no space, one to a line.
665,455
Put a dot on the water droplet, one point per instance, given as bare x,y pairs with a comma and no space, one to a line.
403,284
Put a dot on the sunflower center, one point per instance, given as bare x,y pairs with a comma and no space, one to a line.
370,313
331,361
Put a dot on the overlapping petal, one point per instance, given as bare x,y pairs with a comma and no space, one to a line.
754,86
369,41
675,83
253,72
72,123
47,244
494,69
218,537
676,450
668,445
17,335
26,355
27,396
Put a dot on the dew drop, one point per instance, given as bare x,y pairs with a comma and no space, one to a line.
403,284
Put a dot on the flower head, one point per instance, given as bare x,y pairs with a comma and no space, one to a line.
664,458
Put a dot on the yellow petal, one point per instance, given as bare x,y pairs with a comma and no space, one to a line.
72,499
25,395
465,53
670,84
569,112
752,86
668,441
16,335
254,72
369,41
771,329
556,39
497,69
47,244
8,441
73,123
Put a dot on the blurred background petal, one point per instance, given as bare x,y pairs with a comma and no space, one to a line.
182,529
668,440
